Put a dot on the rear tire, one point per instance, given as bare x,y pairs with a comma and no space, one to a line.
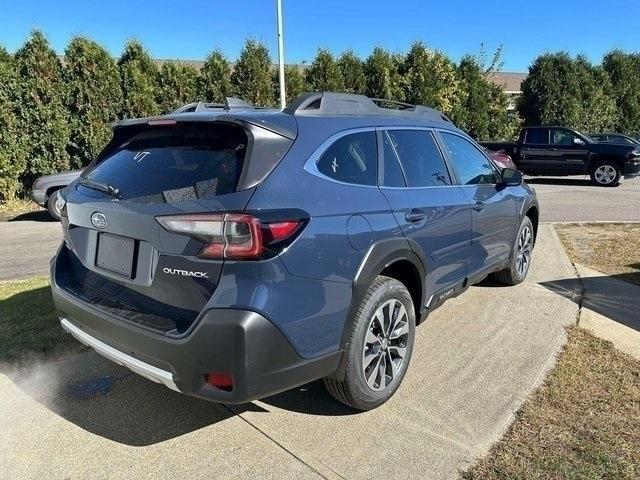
606,173
520,261
379,347
51,205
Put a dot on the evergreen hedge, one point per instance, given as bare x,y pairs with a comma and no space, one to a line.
54,117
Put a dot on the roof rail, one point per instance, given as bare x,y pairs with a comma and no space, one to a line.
230,103
331,103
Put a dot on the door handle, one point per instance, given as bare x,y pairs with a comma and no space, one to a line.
415,215
478,207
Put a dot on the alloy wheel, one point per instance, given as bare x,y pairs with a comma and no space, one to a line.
385,345
605,174
523,257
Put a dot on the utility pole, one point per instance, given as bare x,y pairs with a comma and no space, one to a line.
283,95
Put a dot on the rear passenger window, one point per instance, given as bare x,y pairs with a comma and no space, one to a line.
421,160
538,136
473,166
351,159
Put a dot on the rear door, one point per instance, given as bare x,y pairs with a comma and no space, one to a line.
494,206
430,209
535,156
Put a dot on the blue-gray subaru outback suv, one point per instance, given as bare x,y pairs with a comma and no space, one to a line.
231,252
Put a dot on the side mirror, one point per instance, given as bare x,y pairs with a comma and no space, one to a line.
511,178
578,141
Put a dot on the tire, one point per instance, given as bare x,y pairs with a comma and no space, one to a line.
520,261
368,384
51,205
606,173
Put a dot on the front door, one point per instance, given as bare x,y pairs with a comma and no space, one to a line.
494,206
570,151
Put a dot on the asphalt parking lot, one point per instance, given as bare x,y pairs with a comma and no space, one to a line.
83,416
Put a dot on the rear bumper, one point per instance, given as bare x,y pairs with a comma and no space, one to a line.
240,343
39,197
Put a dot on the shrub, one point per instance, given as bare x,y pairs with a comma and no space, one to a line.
430,79
43,119
214,82
251,78
94,98
383,79
177,85
352,70
139,80
295,83
12,158
324,73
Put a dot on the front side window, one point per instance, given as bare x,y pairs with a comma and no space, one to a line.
421,160
351,159
472,166
562,137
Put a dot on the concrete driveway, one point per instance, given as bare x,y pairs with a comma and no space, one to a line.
475,360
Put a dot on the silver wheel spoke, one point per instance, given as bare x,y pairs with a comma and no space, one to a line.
400,331
373,375
385,344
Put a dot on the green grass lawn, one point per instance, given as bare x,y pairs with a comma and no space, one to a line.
583,423
29,326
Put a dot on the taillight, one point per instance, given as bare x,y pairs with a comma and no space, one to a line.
231,235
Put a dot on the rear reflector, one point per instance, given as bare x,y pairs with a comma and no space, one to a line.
161,122
230,235
223,381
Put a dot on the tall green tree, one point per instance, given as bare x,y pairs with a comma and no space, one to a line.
139,80
94,98
214,82
430,79
43,119
596,97
566,91
352,69
624,71
324,74
383,79
251,78
294,83
177,85
12,158
482,106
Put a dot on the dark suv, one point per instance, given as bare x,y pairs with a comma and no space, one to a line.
231,252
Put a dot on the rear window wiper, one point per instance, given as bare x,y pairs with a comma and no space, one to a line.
101,187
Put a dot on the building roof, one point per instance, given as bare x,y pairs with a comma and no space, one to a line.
510,81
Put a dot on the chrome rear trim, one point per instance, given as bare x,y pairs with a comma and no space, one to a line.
144,369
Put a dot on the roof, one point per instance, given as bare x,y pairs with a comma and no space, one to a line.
509,81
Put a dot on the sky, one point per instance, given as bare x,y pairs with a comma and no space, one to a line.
189,29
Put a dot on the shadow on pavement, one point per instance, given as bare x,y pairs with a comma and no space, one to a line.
583,182
37,216
608,296
114,403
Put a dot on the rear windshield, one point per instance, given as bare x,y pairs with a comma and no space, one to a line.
171,164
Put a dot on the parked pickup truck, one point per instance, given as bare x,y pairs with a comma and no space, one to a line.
560,151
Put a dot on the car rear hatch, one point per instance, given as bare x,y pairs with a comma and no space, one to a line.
117,256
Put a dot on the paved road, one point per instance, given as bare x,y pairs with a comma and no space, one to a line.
574,199
475,361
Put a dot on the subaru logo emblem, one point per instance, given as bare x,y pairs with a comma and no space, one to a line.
98,220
